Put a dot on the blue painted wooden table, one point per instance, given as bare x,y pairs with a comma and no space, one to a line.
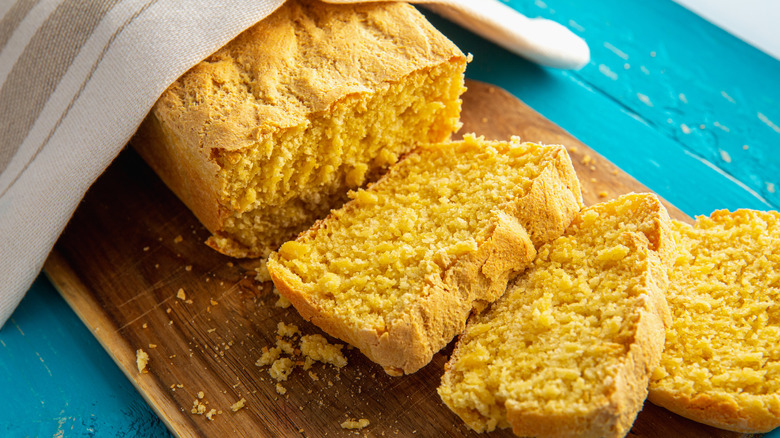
684,107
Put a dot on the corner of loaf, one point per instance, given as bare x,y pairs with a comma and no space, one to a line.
397,270
269,133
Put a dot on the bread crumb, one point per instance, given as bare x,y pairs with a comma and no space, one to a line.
262,272
152,345
314,376
282,302
212,302
355,424
168,310
146,248
201,395
181,294
603,194
178,239
587,159
573,149
286,330
285,346
269,356
281,369
211,330
281,389
144,325
235,407
318,348
210,414
188,268
198,408
141,359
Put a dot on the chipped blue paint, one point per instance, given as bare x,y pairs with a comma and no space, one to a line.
57,381
687,109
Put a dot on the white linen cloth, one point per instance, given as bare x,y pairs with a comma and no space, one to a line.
76,80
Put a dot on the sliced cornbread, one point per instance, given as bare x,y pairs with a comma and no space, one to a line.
721,362
270,132
398,269
567,351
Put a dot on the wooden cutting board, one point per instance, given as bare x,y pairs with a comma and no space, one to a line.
131,246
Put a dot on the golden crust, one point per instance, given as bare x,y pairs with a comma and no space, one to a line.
297,63
409,342
721,412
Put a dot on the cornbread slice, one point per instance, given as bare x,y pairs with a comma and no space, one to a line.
270,132
567,351
398,269
721,363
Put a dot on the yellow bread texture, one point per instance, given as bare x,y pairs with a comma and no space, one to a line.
398,269
270,132
568,350
721,362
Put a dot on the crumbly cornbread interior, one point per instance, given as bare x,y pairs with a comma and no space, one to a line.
724,296
552,345
370,265
282,183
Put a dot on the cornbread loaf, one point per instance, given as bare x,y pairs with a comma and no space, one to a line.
721,362
270,132
567,351
398,269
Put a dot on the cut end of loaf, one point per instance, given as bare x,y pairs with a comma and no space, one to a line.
269,133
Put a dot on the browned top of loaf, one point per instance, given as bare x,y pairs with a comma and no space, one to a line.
299,60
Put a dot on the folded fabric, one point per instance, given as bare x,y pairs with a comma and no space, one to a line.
76,80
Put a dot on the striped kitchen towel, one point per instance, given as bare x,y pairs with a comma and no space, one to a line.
77,78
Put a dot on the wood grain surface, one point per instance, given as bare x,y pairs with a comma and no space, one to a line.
132,245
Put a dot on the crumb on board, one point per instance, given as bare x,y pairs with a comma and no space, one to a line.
587,159
286,330
262,272
201,395
285,346
281,369
188,268
235,407
281,390
318,348
144,325
573,149
210,414
282,302
269,356
603,194
178,239
152,345
212,302
181,294
355,424
141,359
198,408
